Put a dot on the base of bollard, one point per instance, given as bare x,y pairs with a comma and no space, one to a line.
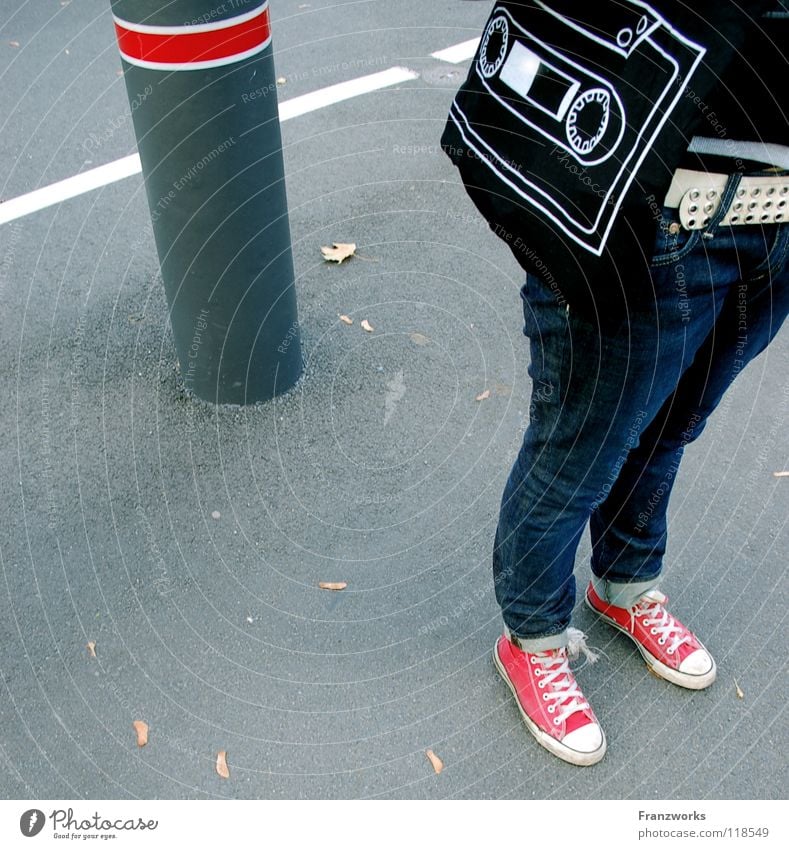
279,392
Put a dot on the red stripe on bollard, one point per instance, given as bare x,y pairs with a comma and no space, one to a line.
185,48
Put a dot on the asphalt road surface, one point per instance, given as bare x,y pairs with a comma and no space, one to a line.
187,542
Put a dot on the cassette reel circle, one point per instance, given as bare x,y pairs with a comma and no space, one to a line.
587,120
493,50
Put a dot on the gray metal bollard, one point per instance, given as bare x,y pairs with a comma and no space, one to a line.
200,79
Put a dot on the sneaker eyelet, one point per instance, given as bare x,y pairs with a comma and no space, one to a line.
545,697
533,659
537,672
669,651
653,630
551,708
541,684
662,641
556,721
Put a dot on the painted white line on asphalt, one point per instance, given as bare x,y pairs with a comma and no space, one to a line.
69,188
343,91
95,178
457,52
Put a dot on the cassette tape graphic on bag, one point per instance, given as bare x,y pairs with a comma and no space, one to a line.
591,109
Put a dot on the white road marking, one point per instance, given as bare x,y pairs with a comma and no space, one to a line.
70,188
457,52
95,178
343,91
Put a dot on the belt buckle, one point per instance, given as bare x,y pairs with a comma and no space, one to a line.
698,206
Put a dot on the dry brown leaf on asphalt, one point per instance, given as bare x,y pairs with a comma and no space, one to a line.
332,585
91,647
781,474
435,760
483,396
365,325
740,694
339,251
221,765
142,732
346,319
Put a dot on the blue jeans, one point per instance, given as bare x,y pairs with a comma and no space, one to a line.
612,411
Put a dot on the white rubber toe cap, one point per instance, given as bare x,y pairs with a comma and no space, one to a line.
589,738
697,663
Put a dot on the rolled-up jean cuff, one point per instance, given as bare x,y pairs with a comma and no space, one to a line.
535,644
622,595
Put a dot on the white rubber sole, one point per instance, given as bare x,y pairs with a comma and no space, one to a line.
554,746
681,679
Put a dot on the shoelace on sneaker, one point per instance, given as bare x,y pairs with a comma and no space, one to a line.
662,623
557,678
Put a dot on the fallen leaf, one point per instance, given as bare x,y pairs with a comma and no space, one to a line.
483,396
435,760
740,694
221,765
328,585
91,647
346,319
781,474
367,326
419,339
339,251
142,732
14,43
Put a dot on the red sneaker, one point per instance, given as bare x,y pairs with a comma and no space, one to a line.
669,648
550,700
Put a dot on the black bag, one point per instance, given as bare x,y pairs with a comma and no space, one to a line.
571,123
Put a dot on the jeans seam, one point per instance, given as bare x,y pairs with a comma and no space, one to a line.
769,266
638,579
667,258
553,633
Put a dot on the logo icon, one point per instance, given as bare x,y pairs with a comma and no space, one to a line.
31,822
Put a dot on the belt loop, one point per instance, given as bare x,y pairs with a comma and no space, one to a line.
727,198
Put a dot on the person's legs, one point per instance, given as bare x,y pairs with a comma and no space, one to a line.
593,394
602,406
629,528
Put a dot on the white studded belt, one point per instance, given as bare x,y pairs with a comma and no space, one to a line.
758,200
